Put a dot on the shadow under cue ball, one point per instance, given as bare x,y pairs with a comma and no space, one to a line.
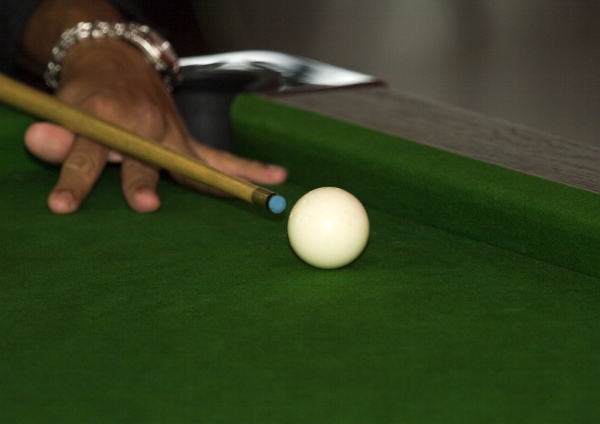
328,228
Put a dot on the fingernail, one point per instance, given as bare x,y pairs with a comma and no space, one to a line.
145,200
62,201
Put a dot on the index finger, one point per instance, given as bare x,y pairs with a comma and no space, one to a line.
79,172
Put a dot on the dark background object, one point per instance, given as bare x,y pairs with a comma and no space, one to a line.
205,99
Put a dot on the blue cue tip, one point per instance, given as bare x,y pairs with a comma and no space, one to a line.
276,204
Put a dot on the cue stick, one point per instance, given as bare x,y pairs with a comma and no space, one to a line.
49,108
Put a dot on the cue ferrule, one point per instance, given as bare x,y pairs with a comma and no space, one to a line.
260,197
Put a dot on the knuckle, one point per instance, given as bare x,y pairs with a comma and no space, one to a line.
138,175
149,114
104,105
81,165
127,105
127,109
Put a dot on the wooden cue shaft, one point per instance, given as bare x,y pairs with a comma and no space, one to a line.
49,108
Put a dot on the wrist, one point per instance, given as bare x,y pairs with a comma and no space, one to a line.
100,59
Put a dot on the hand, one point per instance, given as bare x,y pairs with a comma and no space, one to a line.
111,79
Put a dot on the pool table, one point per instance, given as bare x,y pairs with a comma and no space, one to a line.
476,300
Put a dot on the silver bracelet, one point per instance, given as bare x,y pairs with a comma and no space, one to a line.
157,51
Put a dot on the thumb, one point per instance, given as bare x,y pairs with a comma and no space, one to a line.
49,142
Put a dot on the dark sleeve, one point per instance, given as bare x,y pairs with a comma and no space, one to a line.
13,18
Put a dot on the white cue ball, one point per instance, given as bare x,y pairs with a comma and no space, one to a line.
328,228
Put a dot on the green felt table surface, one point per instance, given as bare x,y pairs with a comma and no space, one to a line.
202,313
